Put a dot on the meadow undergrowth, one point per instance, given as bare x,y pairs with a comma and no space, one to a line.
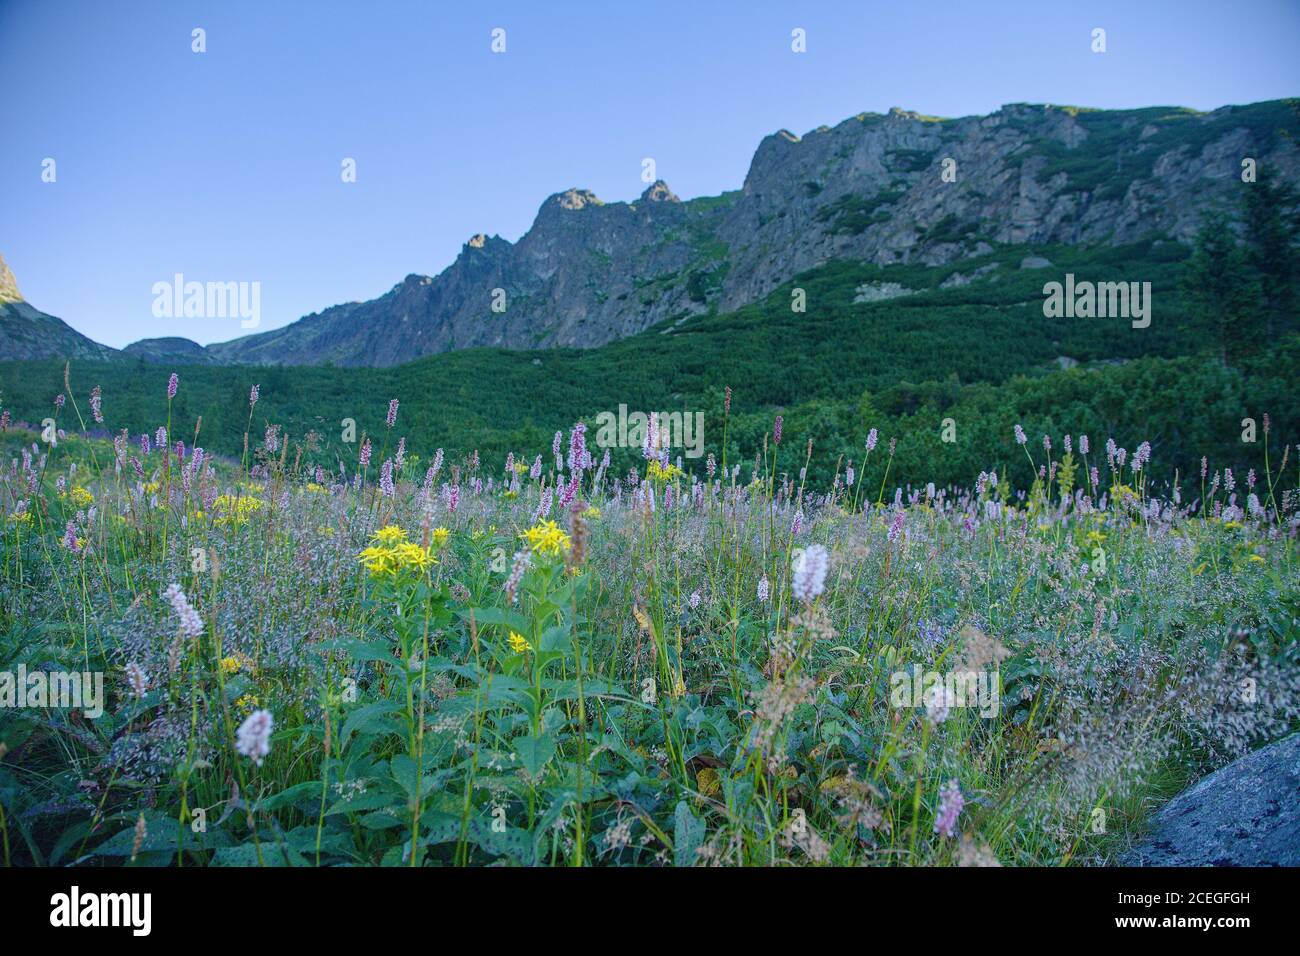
540,662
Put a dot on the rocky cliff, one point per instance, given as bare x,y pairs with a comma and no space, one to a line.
883,188
872,188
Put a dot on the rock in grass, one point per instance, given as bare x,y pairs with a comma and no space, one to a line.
1246,814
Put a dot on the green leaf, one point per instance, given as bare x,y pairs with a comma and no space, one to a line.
556,638
160,834
534,752
688,834
302,795
370,719
500,616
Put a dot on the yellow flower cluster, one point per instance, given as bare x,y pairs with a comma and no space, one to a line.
518,643
391,554
546,539
81,498
235,510
440,536
317,489
1123,494
661,472
21,517
591,512
234,663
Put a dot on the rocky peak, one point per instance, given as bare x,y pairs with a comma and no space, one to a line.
898,114
574,199
658,191
8,284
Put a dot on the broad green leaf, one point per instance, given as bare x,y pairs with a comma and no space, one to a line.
534,752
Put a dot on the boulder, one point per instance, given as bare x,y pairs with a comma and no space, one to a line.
1245,814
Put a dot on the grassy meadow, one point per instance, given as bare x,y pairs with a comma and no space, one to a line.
385,654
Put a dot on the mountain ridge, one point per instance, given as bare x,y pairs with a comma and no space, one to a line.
893,188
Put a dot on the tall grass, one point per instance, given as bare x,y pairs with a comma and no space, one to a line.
660,677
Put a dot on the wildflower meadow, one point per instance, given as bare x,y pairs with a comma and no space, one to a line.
382,659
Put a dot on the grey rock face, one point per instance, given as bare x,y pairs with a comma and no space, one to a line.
1246,814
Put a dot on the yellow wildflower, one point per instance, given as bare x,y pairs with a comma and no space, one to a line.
235,510
21,517
389,534
661,472
230,665
1123,494
591,512
518,643
440,536
546,538
81,498
393,553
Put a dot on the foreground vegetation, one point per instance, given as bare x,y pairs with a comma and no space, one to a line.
546,659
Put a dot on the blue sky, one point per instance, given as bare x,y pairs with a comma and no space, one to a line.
224,166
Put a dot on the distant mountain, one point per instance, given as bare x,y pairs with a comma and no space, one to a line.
28,333
873,188
897,188
169,349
